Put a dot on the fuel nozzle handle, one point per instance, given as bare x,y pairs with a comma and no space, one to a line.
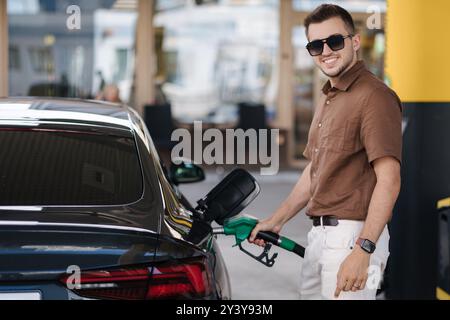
241,228
282,242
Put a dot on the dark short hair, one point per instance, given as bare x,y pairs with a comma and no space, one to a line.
328,11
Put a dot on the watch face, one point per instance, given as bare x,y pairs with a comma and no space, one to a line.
368,246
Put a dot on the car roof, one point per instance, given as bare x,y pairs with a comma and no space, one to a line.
75,111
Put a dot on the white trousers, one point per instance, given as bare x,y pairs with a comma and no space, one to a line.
327,248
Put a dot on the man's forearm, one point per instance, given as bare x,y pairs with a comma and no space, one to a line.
380,209
296,200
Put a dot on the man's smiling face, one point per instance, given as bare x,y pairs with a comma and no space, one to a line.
334,63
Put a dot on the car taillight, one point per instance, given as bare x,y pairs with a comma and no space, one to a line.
189,280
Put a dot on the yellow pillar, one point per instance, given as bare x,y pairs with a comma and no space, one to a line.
418,49
418,69
4,48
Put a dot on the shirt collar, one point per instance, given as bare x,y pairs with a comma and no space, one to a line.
347,78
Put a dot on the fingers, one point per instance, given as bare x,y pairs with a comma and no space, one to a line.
254,233
350,280
356,286
253,236
364,282
260,242
359,284
265,225
338,291
345,285
349,284
340,285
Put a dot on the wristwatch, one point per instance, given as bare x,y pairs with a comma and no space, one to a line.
367,245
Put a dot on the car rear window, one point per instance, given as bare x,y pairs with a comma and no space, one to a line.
67,168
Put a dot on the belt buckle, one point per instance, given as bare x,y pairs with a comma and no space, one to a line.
335,221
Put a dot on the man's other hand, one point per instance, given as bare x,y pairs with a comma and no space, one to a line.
353,273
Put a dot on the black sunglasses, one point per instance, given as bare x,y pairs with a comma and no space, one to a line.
335,42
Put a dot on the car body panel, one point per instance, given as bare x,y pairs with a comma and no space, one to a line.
42,241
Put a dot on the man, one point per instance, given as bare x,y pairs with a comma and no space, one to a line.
353,180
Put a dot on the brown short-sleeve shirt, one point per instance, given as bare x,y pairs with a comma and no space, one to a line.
356,122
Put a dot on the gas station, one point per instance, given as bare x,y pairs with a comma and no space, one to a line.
177,62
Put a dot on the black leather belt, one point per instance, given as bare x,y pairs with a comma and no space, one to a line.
325,221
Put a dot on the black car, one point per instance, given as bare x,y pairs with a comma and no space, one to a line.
88,212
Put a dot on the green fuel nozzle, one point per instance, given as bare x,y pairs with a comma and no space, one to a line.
241,228
223,204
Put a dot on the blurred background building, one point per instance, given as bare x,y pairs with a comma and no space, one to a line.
208,56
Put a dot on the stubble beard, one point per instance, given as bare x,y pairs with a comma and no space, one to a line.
341,70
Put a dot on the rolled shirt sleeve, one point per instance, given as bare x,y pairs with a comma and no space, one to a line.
381,125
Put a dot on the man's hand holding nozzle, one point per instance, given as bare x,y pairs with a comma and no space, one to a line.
264,225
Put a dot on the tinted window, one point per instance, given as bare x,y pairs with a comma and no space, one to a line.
67,168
